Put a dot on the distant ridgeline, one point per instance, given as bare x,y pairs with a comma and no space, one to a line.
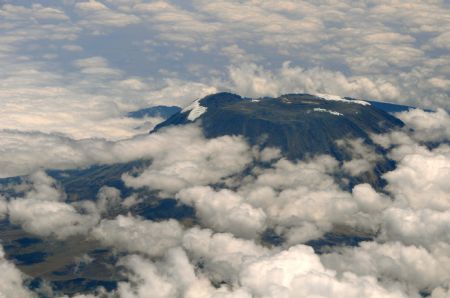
156,111
390,107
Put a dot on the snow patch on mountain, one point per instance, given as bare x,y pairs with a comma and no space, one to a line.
338,98
328,111
196,110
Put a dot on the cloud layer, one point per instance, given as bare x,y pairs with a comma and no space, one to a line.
224,253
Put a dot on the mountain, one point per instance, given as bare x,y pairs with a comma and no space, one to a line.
156,111
390,107
300,125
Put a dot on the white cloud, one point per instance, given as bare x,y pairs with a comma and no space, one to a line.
3,207
224,211
221,254
96,66
49,218
35,23
126,233
428,126
108,200
442,41
298,272
254,80
269,154
364,157
423,227
175,277
440,82
38,11
147,280
302,201
369,200
421,179
275,274
393,262
43,212
309,173
173,150
83,97
12,280
185,158
95,14
441,292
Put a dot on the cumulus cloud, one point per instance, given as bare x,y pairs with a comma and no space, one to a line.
254,80
176,277
302,201
12,284
221,254
428,126
136,235
186,159
441,292
394,261
298,271
3,207
369,200
364,157
147,280
442,40
224,211
270,274
173,277
285,274
420,180
423,227
108,200
172,150
47,218
43,212
97,66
